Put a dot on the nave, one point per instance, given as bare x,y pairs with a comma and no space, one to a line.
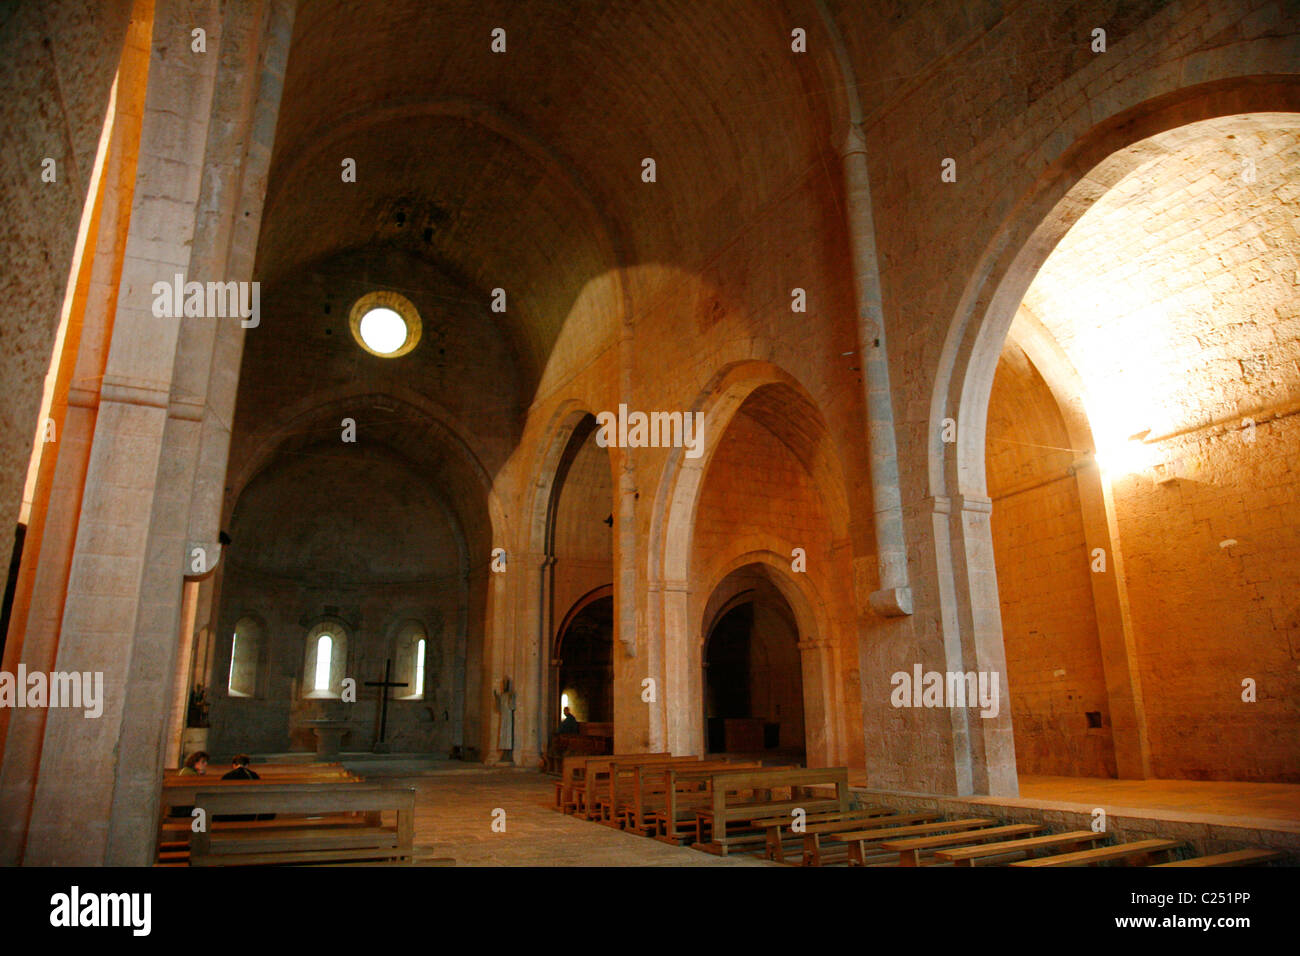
660,810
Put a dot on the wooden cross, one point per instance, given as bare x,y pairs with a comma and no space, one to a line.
383,685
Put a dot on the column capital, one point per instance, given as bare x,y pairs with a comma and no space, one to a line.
854,142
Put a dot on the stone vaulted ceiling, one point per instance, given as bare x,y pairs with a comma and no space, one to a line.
522,170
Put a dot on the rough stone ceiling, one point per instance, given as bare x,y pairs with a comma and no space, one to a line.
522,170
1177,295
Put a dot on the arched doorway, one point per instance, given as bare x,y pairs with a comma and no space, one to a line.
584,662
768,490
578,582
753,670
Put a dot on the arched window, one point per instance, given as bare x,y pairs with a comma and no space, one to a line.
325,662
245,653
411,656
324,649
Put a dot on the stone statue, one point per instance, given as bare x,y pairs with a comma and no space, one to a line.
506,707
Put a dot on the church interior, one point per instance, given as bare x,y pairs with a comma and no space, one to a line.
884,412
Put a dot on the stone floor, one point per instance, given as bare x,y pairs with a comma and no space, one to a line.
456,802
454,813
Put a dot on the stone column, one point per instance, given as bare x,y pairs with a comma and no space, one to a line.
894,597
631,666
681,692
97,791
498,658
459,661
38,604
533,594
818,674
651,637
60,63
1114,625
990,747
181,679
106,600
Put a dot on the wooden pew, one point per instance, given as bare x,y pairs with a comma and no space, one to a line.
593,790
174,848
1134,854
563,746
730,807
622,793
1250,857
857,840
977,855
839,852
686,791
909,850
294,843
572,774
646,793
288,773
271,768
180,792
772,826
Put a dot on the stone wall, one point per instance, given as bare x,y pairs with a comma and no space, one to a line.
317,538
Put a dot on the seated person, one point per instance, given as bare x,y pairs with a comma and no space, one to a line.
195,764
239,771
569,725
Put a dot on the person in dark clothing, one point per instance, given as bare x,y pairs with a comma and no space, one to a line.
241,771
569,725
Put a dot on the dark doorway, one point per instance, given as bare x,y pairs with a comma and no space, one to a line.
586,672
752,682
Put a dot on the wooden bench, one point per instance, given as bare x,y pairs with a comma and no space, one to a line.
647,793
595,781
613,784
1232,858
909,850
838,852
268,770
729,807
573,771
1135,854
179,792
774,843
290,841
686,791
857,840
977,855
573,745
174,845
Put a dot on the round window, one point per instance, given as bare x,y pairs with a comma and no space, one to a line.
385,324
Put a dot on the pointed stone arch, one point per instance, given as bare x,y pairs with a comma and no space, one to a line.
671,587
984,755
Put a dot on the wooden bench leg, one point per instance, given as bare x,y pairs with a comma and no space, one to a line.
774,849
811,850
